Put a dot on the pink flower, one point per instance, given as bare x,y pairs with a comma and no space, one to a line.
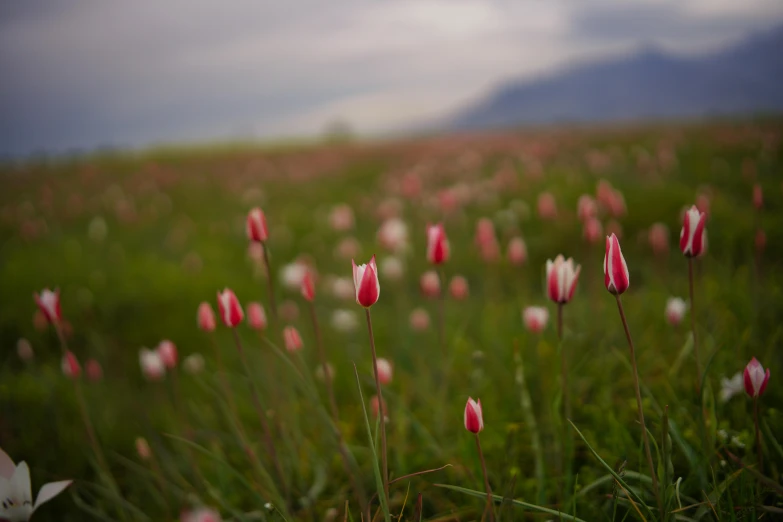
151,364
200,515
617,204
206,317
675,310
758,197
143,448
755,378
593,230
616,277
586,207
393,234
70,365
561,277
168,353
341,218
474,419
535,318
230,310
392,268
308,286
93,370
384,371
49,304
458,287
292,339
659,239
374,408
547,208
365,281
430,283
256,225
437,244
516,252
419,320
256,317
692,234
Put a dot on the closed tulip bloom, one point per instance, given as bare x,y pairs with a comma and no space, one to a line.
437,244
70,365
200,515
459,287
256,225
206,317
230,310
474,419
49,304
430,283
758,197
692,238
256,317
755,378
586,207
675,310
535,318
516,252
616,276
419,320
365,281
93,370
168,353
547,208
151,364
384,371
292,339
592,230
658,237
561,277
308,286
143,448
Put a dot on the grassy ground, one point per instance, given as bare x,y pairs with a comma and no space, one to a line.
174,234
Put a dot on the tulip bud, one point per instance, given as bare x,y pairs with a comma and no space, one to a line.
384,368
430,283
692,236
365,281
474,419
206,317
592,230
256,225
586,207
419,319
292,339
675,310
70,365
151,364
755,378
535,318
458,288
547,208
143,448
616,276
516,252
561,277
758,197
308,286
200,515
659,239
49,304
93,370
230,310
168,353
256,317
437,244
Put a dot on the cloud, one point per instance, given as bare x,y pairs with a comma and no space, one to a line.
86,72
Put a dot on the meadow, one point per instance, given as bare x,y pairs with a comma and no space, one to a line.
135,242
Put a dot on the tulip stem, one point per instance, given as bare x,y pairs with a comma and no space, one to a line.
758,434
693,328
442,314
384,462
341,446
88,426
645,439
488,506
567,456
270,445
180,410
270,289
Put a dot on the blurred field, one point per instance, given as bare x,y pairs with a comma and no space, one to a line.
136,242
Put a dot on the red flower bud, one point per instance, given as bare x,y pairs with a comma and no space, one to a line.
692,235
365,281
616,276
230,310
755,378
437,244
256,225
474,419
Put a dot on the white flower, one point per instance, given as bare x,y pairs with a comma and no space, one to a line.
16,497
344,320
292,275
675,310
151,364
731,387
342,288
392,268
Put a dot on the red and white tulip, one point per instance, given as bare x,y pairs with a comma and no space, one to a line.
535,318
692,236
206,317
49,304
256,225
385,371
561,278
230,310
616,277
168,353
365,281
755,378
256,316
473,417
292,339
437,244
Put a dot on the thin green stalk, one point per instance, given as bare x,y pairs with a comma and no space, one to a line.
759,455
378,392
693,328
532,426
488,508
270,289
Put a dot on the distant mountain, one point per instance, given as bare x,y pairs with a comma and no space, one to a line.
746,78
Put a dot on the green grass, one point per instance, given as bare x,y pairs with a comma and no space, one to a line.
144,281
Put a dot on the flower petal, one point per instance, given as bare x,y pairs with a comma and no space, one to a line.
7,465
50,490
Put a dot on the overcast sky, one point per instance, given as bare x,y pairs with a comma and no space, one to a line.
83,73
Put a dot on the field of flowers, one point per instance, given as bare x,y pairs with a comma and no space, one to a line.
185,336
